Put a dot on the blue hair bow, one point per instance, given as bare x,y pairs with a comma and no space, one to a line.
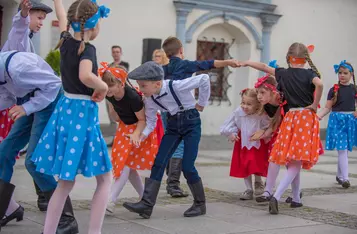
342,64
103,12
273,64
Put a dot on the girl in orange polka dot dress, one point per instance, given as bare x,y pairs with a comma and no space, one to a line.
298,142
130,151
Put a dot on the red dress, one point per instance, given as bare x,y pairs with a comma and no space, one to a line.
5,124
246,162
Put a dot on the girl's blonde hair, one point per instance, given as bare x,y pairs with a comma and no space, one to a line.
299,50
164,59
80,11
252,93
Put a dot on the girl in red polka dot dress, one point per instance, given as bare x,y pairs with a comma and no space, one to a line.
298,142
130,151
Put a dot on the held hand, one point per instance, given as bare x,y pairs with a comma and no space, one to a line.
16,112
99,94
312,107
25,8
320,117
355,114
258,135
233,63
233,137
134,139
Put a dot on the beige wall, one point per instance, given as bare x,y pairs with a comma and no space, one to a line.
328,24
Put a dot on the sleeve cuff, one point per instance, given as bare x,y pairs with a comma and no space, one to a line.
146,132
28,108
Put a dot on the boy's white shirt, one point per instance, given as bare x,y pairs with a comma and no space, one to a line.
183,90
18,38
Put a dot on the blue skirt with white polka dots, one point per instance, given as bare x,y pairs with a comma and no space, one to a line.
72,142
341,131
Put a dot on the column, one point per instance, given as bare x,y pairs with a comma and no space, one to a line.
268,20
181,19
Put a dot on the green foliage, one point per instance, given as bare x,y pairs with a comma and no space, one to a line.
54,60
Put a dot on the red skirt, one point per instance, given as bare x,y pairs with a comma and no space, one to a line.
159,129
249,162
5,124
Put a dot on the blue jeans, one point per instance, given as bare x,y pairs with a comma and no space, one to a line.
184,126
27,129
179,151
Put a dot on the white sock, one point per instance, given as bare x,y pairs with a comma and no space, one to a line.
13,206
248,182
294,168
258,179
137,183
343,163
273,172
295,186
56,204
119,184
99,203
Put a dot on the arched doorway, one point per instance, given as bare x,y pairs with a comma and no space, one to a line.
220,40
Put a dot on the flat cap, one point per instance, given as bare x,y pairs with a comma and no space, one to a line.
37,5
149,71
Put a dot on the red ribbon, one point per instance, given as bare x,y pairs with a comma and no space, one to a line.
261,82
282,104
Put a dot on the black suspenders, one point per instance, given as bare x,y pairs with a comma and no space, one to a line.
7,66
179,104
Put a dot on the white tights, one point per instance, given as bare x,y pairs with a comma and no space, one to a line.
118,185
342,166
99,204
292,176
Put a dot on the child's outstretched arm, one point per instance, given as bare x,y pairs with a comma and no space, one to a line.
226,63
325,110
20,28
259,66
61,15
135,136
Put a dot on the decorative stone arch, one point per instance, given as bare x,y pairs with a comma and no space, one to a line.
226,16
229,10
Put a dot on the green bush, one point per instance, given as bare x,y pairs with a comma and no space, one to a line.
54,60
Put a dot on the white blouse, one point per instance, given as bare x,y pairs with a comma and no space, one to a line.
247,125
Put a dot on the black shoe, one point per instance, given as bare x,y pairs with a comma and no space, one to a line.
68,223
273,206
199,202
42,202
18,214
346,184
6,191
263,198
173,178
295,204
339,181
290,199
145,206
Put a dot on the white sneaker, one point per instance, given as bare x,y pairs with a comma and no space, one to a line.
111,207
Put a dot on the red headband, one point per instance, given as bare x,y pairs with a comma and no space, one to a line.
261,82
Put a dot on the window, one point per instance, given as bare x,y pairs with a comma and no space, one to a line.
207,50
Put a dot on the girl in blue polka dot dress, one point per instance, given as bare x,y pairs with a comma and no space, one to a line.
72,142
342,125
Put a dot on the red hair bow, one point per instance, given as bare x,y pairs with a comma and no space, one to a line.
119,73
336,87
261,81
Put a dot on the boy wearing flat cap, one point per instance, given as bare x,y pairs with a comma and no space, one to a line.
184,124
